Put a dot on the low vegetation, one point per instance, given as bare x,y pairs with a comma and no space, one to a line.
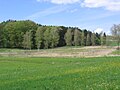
60,73
117,52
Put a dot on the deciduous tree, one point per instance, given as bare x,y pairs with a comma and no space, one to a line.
77,37
116,33
27,40
54,36
39,36
47,38
88,41
68,37
82,39
93,38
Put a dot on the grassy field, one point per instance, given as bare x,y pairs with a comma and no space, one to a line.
101,73
117,52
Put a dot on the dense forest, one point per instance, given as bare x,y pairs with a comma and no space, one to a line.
30,35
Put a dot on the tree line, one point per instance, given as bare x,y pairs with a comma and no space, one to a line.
30,35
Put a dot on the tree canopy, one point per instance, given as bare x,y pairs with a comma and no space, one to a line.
30,35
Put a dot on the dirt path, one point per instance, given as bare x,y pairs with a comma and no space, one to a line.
89,51
92,51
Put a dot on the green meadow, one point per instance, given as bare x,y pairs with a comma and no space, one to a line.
101,73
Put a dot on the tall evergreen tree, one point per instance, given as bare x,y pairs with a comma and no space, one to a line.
104,38
68,37
62,31
97,39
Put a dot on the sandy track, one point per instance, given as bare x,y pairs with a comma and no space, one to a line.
89,51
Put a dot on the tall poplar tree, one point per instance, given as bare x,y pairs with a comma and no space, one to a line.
27,42
47,38
68,37
39,36
93,38
54,36
77,37
88,41
83,39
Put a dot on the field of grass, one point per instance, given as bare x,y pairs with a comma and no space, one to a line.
101,73
117,52
112,43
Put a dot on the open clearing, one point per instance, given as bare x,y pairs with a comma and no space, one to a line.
54,69
90,51
100,73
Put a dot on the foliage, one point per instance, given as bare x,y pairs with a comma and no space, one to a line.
103,39
68,37
97,39
88,41
27,40
93,38
116,33
110,41
47,38
13,31
40,36
82,39
77,37
54,37
12,35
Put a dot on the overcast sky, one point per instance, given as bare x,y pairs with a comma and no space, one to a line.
94,15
